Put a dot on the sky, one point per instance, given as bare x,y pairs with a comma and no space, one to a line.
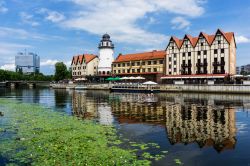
57,30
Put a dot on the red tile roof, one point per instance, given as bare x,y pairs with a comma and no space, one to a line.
209,38
141,56
80,58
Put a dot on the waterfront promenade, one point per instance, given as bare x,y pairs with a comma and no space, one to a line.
198,88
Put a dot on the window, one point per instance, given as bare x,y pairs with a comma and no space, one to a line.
128,64
143,63
108,72
174,55
199,52
201,44
138,63
189,53
114,65
174,62
123,70
174,69
144,70
132,64
169,59
149,69
222,59
138,70
133,70
186,46
172,47
205,52
155,62
219,42
119,71
128,71
183,54
170,73
155,69
222,51
119,65
103,72
215,51
149,62
123,64
169,66
161,61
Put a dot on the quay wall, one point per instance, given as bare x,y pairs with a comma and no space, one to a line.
206,88
240,89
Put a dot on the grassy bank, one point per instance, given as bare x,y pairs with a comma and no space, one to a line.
33,135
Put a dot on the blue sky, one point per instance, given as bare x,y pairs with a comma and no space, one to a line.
58,29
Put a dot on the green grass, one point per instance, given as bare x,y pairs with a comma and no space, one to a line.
44,137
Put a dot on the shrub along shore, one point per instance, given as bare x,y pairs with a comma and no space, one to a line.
34,135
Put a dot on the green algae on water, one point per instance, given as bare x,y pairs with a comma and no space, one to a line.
44,137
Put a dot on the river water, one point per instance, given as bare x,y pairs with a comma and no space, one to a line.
198,129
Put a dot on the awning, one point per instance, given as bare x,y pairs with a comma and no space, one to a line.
149,83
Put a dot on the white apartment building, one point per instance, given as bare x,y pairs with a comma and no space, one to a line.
203,56
84,65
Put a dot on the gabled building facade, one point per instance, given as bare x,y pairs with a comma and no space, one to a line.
84,65
202,55
147,64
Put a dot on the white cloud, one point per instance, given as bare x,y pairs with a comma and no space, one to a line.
180,23
242,39
49,62
119,18
10,67
52,16
28,19
8,52
3,9
7,32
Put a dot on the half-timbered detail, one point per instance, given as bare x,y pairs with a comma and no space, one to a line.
202,55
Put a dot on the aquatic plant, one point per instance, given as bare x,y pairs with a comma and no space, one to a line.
43,137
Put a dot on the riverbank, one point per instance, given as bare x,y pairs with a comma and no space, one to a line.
197,88
33,135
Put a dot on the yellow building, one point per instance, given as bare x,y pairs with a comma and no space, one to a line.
147,64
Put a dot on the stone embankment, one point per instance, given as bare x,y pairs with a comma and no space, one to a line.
244,89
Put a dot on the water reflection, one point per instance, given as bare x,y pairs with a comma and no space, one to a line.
206,125
207,122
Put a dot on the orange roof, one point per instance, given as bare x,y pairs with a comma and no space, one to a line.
80,58
141,56
89,57
209,38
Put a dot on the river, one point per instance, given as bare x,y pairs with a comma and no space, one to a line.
198,129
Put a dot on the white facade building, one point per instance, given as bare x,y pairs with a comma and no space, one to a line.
106,55
27,63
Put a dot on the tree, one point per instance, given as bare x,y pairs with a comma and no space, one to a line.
69,73
60,71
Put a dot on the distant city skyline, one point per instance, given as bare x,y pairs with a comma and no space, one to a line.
59,29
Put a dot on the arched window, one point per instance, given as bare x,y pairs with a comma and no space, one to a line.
103,72
108,72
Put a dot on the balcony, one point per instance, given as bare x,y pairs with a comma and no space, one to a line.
201,64
186,65
222,63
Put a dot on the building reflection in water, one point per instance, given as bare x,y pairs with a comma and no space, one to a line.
81,108
203,121
205,125
85,108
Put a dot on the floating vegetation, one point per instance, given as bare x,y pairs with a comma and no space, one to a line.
44,137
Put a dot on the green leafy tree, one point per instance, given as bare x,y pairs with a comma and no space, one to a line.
60,71
69,73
